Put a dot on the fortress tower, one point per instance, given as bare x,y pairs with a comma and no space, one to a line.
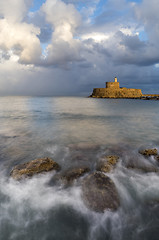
114,85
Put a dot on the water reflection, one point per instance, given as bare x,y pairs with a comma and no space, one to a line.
31,126
106,121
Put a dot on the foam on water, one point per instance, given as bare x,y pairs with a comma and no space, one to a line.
32,201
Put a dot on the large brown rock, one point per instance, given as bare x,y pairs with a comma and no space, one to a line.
34,167
107,163
99,193
149,152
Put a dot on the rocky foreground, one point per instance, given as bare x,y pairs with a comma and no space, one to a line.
99,192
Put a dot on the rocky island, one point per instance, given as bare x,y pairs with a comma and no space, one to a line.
113,90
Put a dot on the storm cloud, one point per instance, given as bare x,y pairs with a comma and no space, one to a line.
68,47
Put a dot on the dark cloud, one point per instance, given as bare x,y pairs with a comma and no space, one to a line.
132,43
4,55
84,48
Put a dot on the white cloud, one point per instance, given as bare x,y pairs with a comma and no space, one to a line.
96,36
14,10
18,37
64,19
129,31
22,39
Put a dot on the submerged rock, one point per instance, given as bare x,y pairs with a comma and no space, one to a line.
84,146
79,157
149,152
34,167
72,174
107,163
144,168
99,193
157,158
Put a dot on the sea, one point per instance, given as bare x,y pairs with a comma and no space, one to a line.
75,132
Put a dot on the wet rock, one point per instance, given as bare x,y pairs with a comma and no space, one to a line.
33,167
99,193
138,163
145,169
149,152
107,163
157,158
70,175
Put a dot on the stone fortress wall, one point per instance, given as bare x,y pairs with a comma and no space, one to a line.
112,85
113,90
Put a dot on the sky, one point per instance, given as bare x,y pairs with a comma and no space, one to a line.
69,47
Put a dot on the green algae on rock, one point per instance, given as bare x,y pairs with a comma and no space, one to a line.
34,167
107,163
149,152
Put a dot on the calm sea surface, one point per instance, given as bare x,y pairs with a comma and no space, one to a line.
77,132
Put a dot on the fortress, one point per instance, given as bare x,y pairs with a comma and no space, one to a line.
113,90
